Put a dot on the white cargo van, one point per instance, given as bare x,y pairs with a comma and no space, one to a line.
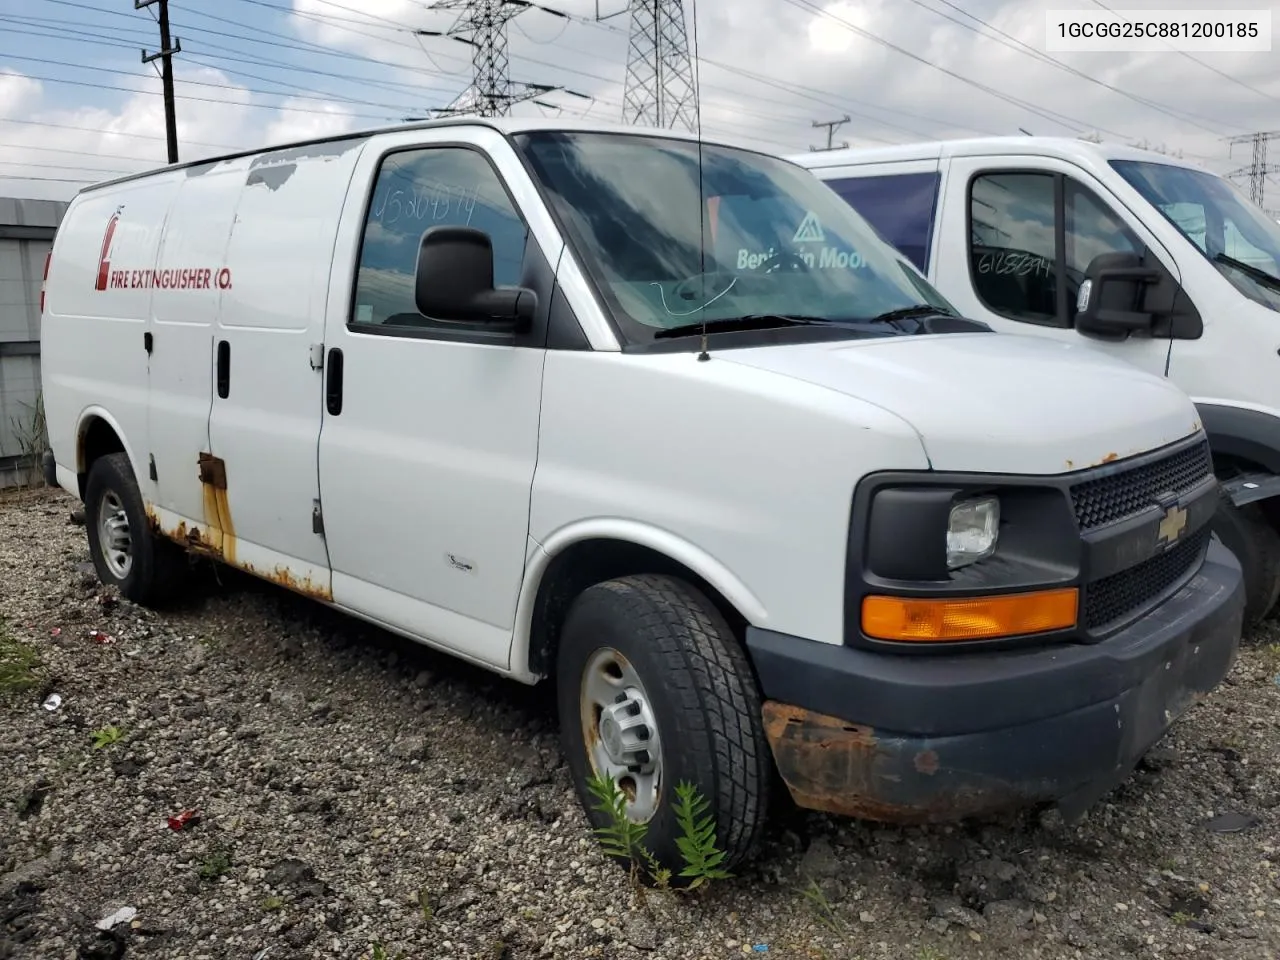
662,421
1150,259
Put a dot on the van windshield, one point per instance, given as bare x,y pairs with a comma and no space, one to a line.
1223,224
747,235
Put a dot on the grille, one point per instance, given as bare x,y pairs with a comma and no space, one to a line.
1120,594
1110,498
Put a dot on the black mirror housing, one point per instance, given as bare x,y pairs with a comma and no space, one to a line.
454,282
1115,298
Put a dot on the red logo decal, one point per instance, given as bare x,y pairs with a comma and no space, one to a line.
104,259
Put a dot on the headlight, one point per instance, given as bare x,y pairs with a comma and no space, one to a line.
972,531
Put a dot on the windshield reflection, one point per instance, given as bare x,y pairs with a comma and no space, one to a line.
672,238
1242,242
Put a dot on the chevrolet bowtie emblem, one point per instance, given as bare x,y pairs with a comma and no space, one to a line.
1171,527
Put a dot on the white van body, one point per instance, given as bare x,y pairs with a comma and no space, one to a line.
978,217
234,361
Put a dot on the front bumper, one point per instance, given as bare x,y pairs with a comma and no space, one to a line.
915,739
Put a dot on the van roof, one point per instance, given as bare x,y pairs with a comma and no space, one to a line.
1084,152
508,126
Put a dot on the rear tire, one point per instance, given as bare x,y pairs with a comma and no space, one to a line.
684,707
126,554
1247,532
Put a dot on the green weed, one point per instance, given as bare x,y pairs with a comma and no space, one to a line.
106,737
624,839
18,662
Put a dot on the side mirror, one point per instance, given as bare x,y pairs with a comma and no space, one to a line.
454,282
1113,299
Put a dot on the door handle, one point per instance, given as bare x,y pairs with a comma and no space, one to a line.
224,369
333,382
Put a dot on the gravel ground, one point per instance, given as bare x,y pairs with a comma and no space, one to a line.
343,778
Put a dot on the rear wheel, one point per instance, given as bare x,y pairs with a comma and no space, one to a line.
126,554
1248,533
654,690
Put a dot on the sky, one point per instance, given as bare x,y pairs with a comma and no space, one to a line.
77,105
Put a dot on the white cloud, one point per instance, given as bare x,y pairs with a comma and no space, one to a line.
88,144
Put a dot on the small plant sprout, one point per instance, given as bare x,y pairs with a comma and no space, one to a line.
106,737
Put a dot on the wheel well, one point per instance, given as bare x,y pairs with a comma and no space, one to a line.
589,562
97,439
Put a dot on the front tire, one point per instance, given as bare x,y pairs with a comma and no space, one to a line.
654,689
1248,533
126,554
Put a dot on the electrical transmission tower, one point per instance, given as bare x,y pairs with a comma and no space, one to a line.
660,89
482,25
832,126
1259,169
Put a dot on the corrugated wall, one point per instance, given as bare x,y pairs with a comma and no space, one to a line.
26,234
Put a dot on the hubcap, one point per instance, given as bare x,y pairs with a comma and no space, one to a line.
114,540
620,731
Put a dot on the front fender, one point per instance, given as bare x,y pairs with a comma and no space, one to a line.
1242,433
627,531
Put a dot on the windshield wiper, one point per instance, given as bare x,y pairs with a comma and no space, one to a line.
752,321
1249,270
917,312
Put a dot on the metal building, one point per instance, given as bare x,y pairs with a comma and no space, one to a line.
26,235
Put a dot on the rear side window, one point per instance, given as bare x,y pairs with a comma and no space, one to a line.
417,190
900,206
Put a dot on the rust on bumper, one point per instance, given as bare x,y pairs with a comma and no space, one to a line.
846,769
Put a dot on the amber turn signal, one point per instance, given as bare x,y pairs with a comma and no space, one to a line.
921,620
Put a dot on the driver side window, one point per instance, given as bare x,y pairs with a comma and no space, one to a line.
1032,237
418,189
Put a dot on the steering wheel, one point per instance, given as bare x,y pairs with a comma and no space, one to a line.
782,260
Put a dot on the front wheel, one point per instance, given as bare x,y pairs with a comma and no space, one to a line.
1248,533
655,691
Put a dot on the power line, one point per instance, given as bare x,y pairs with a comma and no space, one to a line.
1019,46
1197,60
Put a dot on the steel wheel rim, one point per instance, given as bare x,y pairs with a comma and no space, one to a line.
115,541
620,731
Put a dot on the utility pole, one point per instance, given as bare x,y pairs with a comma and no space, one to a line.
832,126
165,55
1259,169
660,89
482,25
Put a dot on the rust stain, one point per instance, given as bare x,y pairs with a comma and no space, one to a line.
217,539
927,762
284,577
1071,464
849,770
1109,457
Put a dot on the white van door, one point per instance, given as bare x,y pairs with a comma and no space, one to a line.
430,435
265,426
1016,236
180,341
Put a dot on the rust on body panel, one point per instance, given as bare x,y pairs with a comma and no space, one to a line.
217,538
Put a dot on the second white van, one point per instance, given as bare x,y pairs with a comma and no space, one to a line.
1142,256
